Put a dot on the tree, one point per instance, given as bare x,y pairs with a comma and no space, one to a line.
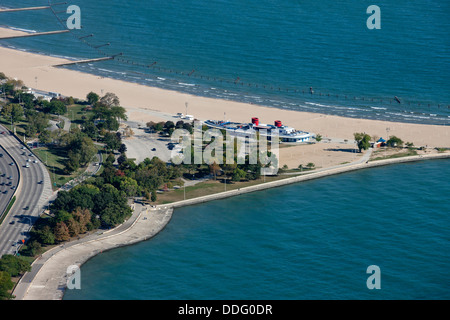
154,196
14,265
310,165
73,161
395,142
90,129
187,126
5,285
109,160
362,140
73,226
121,159
33,248
83,217
12,112
238,174
25,99
56,107
318,138
109,110
110,100
87,150
169,124
46,236
214,168
129,186
112,141
61,232
122,148
92,98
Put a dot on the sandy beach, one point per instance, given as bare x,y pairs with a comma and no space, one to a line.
145,104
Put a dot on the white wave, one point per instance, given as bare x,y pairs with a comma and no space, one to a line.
106,70
23,30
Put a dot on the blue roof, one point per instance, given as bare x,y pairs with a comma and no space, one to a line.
381,140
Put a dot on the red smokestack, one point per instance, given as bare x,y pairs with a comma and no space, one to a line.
255,121
278,123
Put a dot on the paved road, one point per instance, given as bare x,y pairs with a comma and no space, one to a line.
9,178
32,195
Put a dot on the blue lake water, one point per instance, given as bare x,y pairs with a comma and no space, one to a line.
266,52
312,240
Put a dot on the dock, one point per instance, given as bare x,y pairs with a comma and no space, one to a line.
69,63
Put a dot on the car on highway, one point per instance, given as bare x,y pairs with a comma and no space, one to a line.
27,165
11,164
1,155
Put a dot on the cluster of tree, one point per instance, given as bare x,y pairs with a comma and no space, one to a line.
80,150
107,111
84,208
168,127
138,179
37,124
11,266
55,106
10,86
363,141
396,142
12,112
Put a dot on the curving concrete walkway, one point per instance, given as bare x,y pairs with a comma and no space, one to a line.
48,277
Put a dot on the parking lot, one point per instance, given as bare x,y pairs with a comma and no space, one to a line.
147,145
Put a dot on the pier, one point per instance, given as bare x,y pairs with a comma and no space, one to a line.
83,61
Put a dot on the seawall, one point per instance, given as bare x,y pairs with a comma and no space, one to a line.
48,278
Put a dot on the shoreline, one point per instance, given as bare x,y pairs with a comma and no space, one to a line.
42,284
145,103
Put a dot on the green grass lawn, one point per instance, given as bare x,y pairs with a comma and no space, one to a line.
211,187
378,155
54,159
76,113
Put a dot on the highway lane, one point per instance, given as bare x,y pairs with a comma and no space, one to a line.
9,178
33,193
